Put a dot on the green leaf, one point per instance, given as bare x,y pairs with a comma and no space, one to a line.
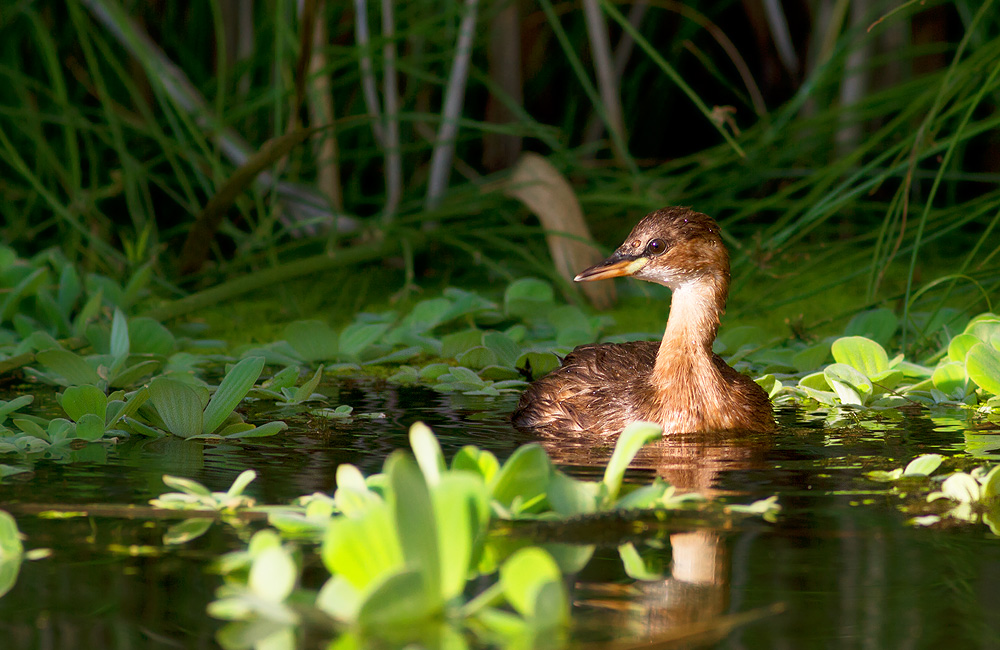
134,374
528,297
358,337
473,459
427,452
68,366
178,405
503,347
635,565
950,378
273,574
413,512
262,431
10,537
864,355
539,363
403,599
80,400
526,577
923,465
148,336
187,530
524,477
571,497
242,481
876,324
90,427
960,345
982,363
961,487
426,315
456,344
234,387
119,335
6,408
852,387
363,548
461,511
631,440
478,357
312,340
305,391
186,485
811,358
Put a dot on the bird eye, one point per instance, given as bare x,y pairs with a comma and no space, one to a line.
656,247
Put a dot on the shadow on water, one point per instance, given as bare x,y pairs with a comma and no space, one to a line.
839,569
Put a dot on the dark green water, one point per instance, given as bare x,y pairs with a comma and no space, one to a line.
840,564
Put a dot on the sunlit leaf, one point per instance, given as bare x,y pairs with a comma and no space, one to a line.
631,440
961,487
364,548
403,599
525,476
427,452
413,512
923,465
528,577
983,365
960,345
864,355
950,378
851,386
636,566
273,574
474,459
187,530
571,497
461,511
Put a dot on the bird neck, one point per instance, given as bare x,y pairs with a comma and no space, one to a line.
695,308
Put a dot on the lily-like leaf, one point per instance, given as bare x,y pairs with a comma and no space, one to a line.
983,365
77,401
860,353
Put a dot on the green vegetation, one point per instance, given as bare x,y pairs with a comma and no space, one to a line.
402,546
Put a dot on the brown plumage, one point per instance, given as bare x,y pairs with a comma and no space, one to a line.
677,382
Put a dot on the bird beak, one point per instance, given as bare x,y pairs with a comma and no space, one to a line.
615,266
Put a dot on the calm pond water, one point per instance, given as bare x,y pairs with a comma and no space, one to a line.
839,569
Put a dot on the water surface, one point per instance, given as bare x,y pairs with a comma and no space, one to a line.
839,569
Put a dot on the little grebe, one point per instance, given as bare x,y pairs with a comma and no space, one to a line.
678,382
